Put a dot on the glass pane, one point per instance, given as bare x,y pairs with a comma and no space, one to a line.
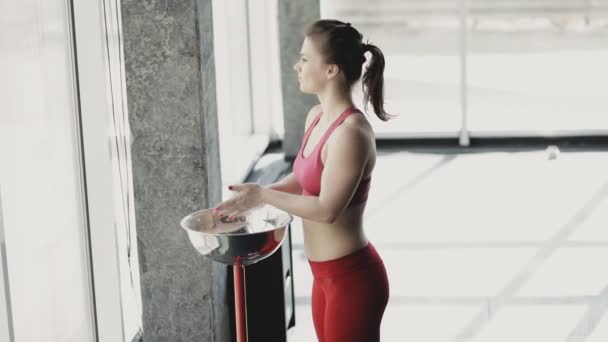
538,66
41,177
420,41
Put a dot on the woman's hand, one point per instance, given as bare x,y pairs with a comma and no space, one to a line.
249,195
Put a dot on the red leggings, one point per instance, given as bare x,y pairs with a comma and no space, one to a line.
349,296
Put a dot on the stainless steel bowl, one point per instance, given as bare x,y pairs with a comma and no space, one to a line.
244,240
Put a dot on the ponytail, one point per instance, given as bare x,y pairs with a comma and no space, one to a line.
342,44
373,82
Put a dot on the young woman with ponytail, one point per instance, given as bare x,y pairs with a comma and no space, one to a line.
330,182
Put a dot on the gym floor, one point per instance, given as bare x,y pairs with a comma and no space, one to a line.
483,244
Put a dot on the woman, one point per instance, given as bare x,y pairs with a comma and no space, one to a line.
330,182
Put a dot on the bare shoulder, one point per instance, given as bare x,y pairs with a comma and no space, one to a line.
358,124
355,131
312,113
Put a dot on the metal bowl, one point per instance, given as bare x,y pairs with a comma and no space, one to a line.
244,240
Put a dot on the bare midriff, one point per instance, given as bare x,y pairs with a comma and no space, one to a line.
328,241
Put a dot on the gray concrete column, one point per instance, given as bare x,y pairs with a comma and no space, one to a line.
294,15
168,48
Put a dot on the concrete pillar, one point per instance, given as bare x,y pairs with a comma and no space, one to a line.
294,15
168,49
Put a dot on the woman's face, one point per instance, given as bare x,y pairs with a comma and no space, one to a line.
313,72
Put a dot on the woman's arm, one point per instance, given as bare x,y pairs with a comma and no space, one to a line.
287,184
285,194
346,159
347,153
307,207
342,172
252,195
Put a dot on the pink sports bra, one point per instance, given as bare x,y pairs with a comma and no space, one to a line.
308,170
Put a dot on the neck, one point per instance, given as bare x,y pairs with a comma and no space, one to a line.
334,101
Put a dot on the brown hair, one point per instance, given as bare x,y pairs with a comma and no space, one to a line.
342,44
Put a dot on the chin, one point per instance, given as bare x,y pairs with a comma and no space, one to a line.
303,89
306,90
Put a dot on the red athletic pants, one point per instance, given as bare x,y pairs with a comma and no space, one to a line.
349,296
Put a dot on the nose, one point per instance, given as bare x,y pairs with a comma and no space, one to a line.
296,67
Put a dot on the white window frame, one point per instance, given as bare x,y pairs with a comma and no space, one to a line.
264,55
6,317
248,84
92,69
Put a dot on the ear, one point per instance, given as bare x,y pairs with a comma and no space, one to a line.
332,71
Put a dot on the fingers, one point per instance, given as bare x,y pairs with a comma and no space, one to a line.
233,214
238,204
229,214
235,187
222,212
227,208
221,209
